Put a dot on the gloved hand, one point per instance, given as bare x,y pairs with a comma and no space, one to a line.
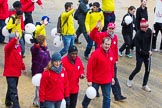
67,99
82,76
34,40
42,105
90,4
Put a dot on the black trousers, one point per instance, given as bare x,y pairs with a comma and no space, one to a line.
154,38
73,100
116,87
2,24
12,95
81,29
28,18
127,44
139,60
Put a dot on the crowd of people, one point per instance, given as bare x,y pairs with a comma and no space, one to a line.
62,70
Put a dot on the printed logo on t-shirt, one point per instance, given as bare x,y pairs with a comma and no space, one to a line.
62,74
111,58
78,67
114,42
19,53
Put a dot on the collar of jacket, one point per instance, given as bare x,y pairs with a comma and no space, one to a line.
103,51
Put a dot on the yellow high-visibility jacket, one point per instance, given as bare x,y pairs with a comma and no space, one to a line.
92,18
108,5
68,28
15,27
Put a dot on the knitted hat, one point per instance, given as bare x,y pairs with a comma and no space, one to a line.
56,56
143,23
17,4
111,25
44,17
72,49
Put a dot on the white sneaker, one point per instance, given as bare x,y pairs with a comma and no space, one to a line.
129,83
146,88
155,50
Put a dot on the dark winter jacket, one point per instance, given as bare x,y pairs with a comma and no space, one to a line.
140,13
128,29
142,41
83,9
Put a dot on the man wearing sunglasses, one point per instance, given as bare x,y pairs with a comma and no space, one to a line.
97,37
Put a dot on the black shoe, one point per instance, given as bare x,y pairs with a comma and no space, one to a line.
3,42
98,95
8,105
78,42
120,98
86,58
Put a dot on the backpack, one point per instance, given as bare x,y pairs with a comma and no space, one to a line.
13,19
76,14
59,26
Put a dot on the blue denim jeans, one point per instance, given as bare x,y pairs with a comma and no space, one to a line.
49,104
108,19
22,44
89,47
68,41
12,95
2,24
106,90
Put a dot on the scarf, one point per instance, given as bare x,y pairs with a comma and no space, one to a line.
57,70
111,35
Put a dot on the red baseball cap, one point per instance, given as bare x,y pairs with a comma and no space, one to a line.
111,25
143,23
